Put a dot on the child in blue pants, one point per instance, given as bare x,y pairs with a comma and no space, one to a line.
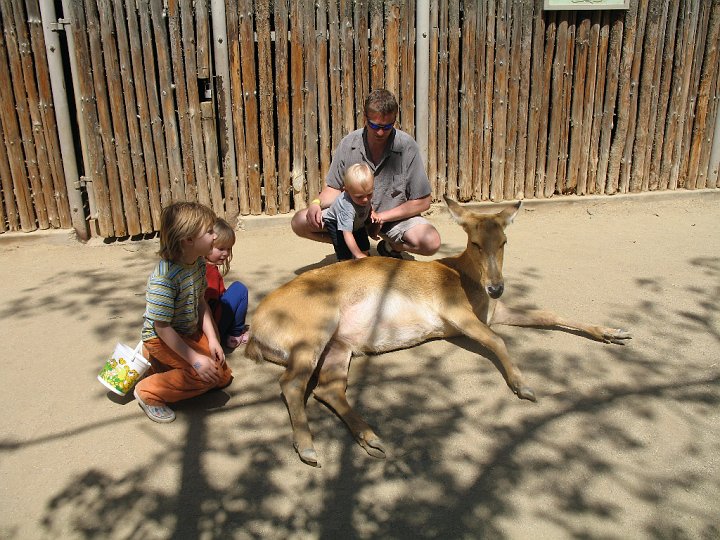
229,306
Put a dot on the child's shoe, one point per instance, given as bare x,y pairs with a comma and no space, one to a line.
157,413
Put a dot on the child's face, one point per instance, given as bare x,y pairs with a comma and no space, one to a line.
202,243
219,254
360,194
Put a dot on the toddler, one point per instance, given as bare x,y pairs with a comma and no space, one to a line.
345,219
228,306
178,331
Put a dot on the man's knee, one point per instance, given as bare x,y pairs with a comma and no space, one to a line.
298,223
430,242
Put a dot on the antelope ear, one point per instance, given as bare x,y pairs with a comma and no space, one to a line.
456,211
508,215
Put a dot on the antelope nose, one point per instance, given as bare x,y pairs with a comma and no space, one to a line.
495,291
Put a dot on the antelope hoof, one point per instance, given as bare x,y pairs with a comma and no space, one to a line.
525,392
374,446
617,336
307,455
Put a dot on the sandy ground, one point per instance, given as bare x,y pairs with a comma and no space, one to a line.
623,442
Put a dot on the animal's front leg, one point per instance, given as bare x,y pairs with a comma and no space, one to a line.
537,317
480,332
332,383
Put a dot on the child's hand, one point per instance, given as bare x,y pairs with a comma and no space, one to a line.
206,368
361,255
216,351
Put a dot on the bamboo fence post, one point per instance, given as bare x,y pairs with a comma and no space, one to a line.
193,98
142,124
131,131
579,105
567,93
297,64
599,103
249,82
59,194
611,91
647,91
556,113
664,95
9,210
406,95
392,53
537,90
362,62
167,98
500,103
242,203
703,127
209,124
336,97
88,111
181,99
37,161
25,110
433,85
467,102
678,98
513,11
488,132
348,72
542,143
453,83
690,117
323,90
283,104
617,147
442,91
523,82
626,161
267,122
120,223
116,129
311,103
202,47
377,52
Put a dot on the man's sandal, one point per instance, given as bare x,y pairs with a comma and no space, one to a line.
385,251
157,413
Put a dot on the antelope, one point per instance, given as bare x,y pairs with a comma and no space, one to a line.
313,324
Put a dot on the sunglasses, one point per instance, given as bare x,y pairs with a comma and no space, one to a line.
378,127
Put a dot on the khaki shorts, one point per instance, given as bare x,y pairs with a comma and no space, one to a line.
395,230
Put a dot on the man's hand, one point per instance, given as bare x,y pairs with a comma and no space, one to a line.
314,216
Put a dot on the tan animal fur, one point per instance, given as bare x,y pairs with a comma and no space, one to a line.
317,321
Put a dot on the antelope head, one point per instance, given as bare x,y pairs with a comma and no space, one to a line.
486,243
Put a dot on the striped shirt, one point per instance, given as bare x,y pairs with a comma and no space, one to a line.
173,295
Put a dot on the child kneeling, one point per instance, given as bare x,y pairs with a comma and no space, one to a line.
178,332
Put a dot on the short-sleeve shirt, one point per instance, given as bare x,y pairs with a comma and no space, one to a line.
173,295
399,177
348,215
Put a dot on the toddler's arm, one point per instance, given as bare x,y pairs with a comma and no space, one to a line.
209,328
352,245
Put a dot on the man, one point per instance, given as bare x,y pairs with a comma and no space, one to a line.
402,188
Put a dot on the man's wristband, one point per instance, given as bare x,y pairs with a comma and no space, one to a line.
316,201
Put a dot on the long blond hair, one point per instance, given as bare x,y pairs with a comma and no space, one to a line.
225,237
181,221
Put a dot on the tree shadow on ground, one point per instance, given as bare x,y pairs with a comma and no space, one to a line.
550,463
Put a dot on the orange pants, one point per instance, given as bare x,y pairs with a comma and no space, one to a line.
173,379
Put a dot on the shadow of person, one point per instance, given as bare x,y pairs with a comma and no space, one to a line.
328,260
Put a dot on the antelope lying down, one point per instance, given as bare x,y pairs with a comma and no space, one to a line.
319,319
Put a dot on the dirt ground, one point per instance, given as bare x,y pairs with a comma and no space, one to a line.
622,443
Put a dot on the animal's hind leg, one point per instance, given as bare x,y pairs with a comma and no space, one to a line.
332,383
536,317
294,382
